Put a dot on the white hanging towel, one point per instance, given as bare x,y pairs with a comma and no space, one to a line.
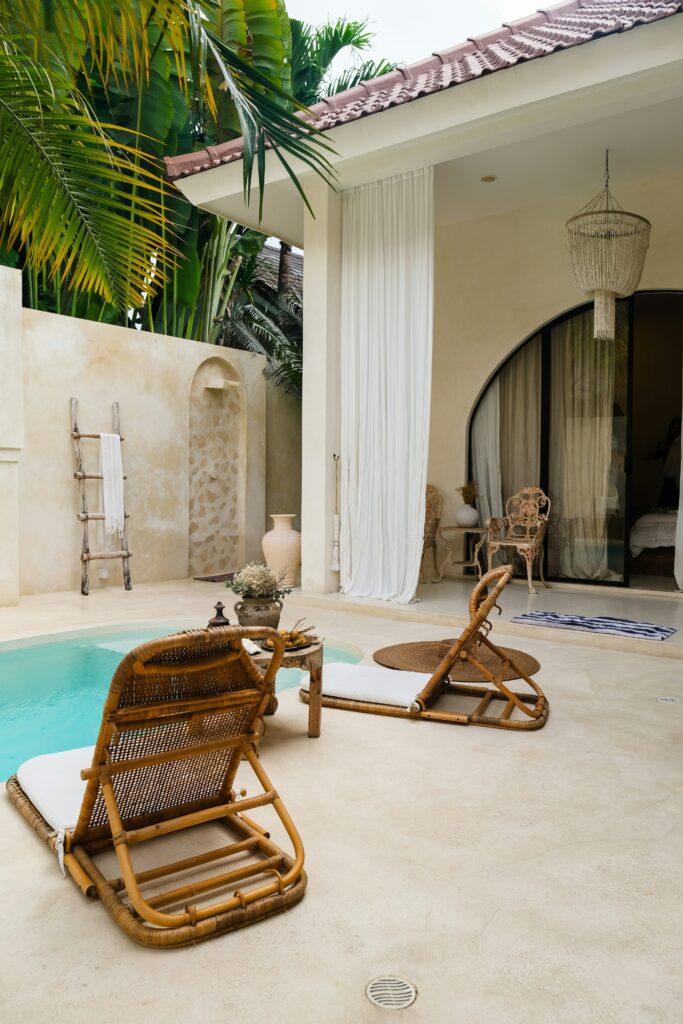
112,485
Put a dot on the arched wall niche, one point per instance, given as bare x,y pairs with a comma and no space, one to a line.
217,469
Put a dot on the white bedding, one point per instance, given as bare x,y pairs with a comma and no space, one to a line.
654,530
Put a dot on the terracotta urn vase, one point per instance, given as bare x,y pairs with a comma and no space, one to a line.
282,548
258,611
467,515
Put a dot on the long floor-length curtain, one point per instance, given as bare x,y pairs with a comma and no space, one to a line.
582,398
678,556
386,365
486,454
520,420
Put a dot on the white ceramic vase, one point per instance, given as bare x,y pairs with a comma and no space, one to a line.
282,548
467,515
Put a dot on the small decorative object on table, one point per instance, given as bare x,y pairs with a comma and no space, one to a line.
219,619
261,593
296,639
467,515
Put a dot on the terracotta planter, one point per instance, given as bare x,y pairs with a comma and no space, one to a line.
467,515
258,611
282,548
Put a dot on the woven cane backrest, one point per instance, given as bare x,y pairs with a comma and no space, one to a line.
527,514
433,510
482,601
195,689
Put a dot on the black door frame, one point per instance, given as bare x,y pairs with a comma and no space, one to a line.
544,333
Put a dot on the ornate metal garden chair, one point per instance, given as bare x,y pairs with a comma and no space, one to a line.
522,529
433,510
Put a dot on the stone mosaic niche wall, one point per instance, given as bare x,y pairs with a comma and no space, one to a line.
217,469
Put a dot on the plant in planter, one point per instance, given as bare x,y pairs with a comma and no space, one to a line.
467,514
260,591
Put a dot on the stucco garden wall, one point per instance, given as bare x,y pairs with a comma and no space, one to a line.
45,360
497,280
283,455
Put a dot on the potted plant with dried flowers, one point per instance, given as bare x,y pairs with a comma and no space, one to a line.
260,591
467,514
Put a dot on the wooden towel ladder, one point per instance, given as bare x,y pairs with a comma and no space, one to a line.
84,516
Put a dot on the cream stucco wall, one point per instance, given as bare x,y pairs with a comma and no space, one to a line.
283,455
151,377
497,280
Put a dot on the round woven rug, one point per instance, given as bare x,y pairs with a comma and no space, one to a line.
426,657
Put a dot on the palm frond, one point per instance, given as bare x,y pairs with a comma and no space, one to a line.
115,42
330,39
353,76
114,38
266,123
272,326
63,190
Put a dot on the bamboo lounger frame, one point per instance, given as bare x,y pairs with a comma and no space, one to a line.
533,705
181,714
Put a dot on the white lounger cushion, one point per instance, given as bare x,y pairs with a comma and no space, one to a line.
371,683
53,784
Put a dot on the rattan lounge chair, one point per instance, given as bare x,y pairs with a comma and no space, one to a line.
181,714
385,691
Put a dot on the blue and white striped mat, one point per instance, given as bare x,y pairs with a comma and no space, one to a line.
597,624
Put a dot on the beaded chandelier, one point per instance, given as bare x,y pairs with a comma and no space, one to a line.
607,247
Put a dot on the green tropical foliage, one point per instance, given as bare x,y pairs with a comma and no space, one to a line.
314,49
91,95
260,318
272,325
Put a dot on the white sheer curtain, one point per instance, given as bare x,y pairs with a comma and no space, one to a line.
386,366
520,420
486,453
582,398
678,556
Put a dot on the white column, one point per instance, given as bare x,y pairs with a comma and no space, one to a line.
320,412
11,430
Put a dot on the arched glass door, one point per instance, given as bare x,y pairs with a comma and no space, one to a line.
566,413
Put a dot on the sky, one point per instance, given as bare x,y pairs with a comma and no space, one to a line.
407,31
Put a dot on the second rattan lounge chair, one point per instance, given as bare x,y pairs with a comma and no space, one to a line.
181,714
385,691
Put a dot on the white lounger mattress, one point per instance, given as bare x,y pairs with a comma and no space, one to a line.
53,784
371,683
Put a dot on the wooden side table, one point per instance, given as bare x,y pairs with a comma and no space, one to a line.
311,660
450,534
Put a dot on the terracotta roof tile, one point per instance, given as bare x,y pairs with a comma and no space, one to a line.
548,30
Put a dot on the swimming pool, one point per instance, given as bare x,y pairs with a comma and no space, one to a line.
51,690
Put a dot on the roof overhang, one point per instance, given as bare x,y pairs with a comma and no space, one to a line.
608,76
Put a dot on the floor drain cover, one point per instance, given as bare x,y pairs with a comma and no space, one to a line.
668,700
391,993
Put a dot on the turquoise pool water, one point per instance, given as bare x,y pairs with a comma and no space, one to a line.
51,693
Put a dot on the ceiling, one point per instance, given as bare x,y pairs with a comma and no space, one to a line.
643,143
